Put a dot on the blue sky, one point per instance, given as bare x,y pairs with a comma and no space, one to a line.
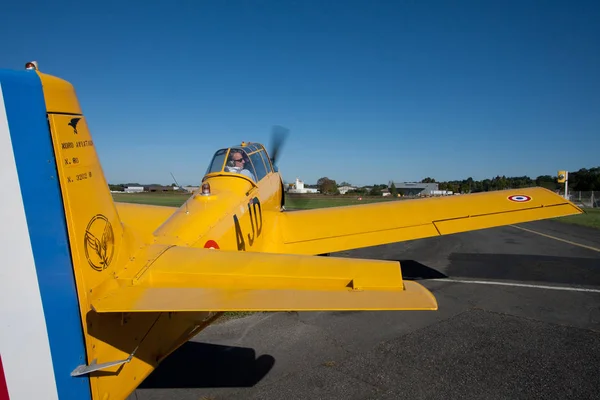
371,91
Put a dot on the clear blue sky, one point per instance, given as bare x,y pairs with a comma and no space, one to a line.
371,90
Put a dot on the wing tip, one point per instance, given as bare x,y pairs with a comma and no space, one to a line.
418,293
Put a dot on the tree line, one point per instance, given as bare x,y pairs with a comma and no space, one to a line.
583,179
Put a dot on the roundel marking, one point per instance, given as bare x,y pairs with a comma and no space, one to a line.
519,198
211,244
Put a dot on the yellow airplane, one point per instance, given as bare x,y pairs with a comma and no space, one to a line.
95,294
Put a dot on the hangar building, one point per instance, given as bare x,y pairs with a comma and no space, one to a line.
416,188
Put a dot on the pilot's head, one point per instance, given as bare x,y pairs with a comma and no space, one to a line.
237,158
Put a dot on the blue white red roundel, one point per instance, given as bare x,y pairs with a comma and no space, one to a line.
519,198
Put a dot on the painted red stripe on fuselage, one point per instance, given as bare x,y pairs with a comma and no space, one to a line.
3,387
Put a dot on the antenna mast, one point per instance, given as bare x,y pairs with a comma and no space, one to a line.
176,183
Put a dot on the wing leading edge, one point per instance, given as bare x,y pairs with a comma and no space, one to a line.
341,228
192,279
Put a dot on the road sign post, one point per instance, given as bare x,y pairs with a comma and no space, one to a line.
563,177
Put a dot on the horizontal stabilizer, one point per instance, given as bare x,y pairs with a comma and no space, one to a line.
144,218
191,279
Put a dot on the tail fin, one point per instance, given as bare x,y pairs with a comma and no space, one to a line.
95,230
101,246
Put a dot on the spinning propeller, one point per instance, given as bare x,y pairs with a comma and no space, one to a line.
278,137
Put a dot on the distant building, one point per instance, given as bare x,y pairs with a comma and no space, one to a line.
299,187
346,189
134,189
159,188
416,188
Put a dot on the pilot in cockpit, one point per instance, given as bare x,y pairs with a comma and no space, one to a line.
237,164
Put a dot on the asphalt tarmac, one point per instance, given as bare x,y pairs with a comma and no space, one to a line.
518,340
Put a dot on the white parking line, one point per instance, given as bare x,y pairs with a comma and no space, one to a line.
559,239
566,288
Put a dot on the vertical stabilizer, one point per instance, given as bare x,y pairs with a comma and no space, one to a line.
95,231
121,349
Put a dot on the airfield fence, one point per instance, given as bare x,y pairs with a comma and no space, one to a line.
587,199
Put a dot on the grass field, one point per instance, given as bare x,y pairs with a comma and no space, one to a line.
591,217
157,199
293,202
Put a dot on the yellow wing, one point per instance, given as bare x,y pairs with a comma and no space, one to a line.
193,279
336,229
142,217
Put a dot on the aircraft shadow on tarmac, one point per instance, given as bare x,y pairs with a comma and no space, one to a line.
524,267
510,267
413,271
203,365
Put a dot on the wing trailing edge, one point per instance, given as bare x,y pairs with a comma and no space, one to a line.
192,279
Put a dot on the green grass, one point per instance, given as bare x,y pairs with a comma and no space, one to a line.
292,202
590,218
305,202
153,198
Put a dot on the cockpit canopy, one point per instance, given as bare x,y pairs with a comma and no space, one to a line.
249,159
